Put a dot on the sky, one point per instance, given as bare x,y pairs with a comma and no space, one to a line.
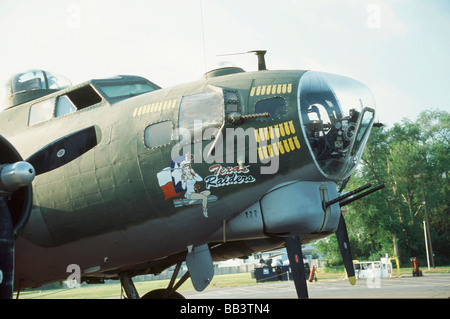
399,48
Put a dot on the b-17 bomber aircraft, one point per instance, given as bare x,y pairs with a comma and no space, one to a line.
121,177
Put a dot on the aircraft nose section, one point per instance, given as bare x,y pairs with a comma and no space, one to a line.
336,115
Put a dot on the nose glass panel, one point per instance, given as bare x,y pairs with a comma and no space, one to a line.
337,114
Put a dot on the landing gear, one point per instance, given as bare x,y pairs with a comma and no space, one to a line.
128,286
168,293
161,294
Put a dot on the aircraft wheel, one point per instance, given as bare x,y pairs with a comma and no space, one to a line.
159,294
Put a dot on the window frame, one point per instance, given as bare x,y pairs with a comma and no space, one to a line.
35,117
153,125
106,87
57,104
218,125
55,99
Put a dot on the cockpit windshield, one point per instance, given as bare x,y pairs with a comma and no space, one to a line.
123,91
121,87
337,114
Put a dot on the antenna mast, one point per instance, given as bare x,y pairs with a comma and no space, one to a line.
259,53
261,59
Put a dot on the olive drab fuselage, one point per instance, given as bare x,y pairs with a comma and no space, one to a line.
218,161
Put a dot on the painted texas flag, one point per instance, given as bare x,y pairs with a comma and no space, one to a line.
169,179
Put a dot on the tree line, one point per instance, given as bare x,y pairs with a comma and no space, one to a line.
391,220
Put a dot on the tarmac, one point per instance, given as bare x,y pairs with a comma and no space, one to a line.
430,286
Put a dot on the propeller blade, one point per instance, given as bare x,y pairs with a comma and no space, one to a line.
294,251
63,150
344,246
6,250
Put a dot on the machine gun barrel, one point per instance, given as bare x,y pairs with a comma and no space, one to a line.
370,191
346,195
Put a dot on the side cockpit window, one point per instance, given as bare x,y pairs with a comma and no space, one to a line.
71,102
158,134
84,97
41,111
64,106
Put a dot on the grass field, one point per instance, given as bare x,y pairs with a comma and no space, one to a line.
113,290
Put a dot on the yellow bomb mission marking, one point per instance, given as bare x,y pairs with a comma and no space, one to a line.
284,144
271,89
155,107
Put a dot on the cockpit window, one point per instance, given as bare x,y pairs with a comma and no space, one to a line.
41,112
64,106
72,101
84,97
158,134
124,91
337,115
